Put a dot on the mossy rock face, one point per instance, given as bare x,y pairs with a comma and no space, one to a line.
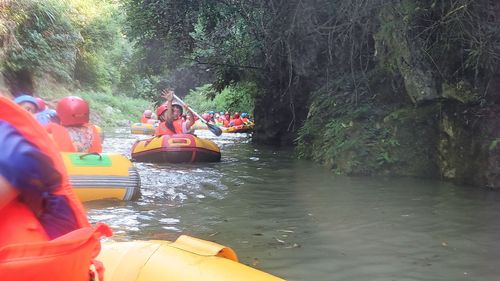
401,50
468,147
278,116
461,92
416,132
372,140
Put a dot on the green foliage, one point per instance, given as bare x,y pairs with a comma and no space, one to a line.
459,38
162,27
199,99
346,136
238,97
234,98
103,51
110,111
46,38
493,144
79,42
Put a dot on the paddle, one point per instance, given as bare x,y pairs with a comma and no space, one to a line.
213,128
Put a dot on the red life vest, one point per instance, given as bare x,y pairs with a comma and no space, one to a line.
144,119
64,143
18,224
162,129
65,258
237,122
26,254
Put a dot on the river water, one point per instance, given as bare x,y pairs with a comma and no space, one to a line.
299,221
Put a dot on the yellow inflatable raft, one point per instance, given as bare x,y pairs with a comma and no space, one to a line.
186,259
245,128
102,176
142,129
175,149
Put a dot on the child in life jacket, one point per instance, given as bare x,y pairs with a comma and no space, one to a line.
170,115
75,133
27,102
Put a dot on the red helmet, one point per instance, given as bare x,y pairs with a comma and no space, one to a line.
41,104
161,109
236,115
73,111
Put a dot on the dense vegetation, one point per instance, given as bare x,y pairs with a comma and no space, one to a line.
367,87
233,98
54,48
343,80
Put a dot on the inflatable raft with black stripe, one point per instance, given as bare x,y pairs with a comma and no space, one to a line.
102,176
142,129
181,148
245,128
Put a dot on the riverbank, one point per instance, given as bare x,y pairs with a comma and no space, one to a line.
108,109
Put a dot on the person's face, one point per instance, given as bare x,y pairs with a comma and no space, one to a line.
176,112
28,106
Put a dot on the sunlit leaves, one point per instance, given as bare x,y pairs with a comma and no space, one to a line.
46,37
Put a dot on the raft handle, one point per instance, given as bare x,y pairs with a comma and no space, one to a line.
92,153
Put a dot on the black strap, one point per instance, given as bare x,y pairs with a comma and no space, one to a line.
92,153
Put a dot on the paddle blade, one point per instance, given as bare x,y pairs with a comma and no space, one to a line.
214,129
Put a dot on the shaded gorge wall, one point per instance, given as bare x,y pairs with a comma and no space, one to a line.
426,105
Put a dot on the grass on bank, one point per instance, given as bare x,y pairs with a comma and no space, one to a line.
106,109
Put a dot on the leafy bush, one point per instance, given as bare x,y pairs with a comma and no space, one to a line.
239,97
46,38
109,110
103,51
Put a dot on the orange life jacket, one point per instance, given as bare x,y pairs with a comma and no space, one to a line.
63,140
26,254
237,122
18,224
162,129
65,258
144,119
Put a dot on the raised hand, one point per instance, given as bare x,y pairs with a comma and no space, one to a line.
168,94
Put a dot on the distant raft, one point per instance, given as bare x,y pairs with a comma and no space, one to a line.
181,148
142,129
102,176
245,128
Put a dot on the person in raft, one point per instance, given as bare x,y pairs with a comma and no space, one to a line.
75,133
27,102
42,224
147,117
236,120
170,116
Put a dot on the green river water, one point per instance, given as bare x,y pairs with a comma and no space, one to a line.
299,221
